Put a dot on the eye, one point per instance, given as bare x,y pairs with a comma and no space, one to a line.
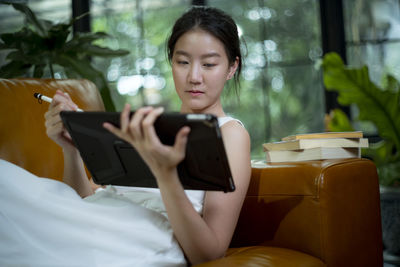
209,65
182,62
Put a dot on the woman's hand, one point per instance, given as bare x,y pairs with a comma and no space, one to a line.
139,131
54,126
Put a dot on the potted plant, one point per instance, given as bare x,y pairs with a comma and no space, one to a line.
42,45
381,107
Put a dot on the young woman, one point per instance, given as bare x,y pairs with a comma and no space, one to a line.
159,224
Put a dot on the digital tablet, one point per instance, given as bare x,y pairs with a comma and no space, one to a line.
110,160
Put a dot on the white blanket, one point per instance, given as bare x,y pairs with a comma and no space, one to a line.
44,222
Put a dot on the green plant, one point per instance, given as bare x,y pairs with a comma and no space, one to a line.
43,44
380,106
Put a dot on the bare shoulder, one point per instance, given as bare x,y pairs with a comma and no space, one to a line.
237,145
235,132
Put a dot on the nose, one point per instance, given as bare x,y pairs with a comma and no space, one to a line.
195,75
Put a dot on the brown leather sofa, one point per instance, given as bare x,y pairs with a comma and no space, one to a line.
316,213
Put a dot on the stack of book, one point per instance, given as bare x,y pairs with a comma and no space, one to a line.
316,146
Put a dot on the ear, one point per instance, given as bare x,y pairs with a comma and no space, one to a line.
232,69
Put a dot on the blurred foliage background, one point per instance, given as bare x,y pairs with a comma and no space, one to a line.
280,40
282,91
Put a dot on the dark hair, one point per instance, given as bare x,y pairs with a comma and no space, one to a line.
215,22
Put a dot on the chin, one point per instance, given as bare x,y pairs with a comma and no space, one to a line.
195,105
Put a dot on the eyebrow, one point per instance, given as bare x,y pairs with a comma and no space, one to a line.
211,54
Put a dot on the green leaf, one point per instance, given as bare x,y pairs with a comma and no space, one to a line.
31,18
389,174
14,69
57,37
10,40
38,70
44,43
381,152
25,40
88,37
82,39
95,50
391,84
86,70
355,87
16,56
339,122
72,21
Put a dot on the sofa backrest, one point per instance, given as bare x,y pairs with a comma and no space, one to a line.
23,139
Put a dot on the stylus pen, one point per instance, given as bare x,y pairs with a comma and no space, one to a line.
47,99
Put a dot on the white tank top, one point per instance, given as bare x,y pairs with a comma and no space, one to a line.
223,120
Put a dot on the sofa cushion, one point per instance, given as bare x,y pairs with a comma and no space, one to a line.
265,256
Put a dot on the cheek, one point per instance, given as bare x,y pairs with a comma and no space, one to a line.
218,78
178,75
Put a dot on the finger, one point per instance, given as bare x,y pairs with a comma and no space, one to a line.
59,96
114,130
51,120
67,135
62,99
148,124
54,112
55,129
181,139
70,101
124,119
135,125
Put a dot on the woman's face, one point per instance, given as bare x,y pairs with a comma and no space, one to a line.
200,68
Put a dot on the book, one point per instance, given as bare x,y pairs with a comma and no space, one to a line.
317,153
316,142
354,134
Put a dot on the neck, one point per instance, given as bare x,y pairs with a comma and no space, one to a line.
214,110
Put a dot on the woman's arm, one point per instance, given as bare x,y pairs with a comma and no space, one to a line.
74,171
75,174
208,237
201,238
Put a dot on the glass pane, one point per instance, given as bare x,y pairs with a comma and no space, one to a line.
279,82
141,27
370,20
373,35
372,30
380,58
281,92
12,20
57,11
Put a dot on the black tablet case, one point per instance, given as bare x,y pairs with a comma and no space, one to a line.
111,160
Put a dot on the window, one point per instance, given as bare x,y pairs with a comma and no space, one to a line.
373,35
143,77
281,92
12,20
372,31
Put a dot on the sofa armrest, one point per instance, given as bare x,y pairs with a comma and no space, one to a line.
328,209
23,139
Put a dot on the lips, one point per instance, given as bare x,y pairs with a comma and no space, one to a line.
195,92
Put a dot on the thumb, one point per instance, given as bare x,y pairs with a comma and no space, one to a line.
181,139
